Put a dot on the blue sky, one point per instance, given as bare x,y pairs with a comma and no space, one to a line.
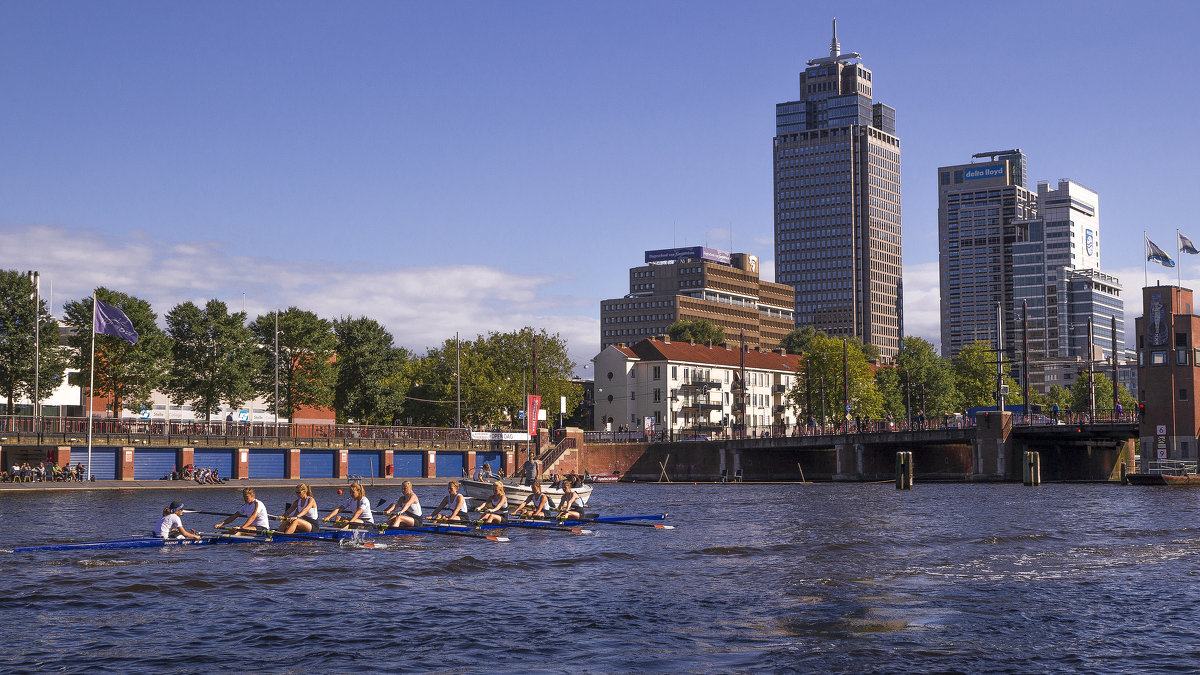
479,166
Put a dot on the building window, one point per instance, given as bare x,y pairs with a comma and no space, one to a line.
658,395
633,396
657,374
1158,358
1181,356
1180,339
1183,395
674,372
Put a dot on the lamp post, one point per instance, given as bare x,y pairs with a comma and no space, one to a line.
277,372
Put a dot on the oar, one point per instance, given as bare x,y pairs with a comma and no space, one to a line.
521,521
610,522
425,529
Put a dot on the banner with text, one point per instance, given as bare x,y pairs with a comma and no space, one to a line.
531,413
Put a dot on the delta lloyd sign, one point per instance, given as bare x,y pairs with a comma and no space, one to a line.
989,171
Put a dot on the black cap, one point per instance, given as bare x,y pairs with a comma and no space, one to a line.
175,506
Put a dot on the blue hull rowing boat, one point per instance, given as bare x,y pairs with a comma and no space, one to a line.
329,535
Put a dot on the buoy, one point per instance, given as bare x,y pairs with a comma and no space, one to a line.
339,491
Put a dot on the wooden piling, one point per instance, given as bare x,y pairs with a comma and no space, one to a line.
1031,468
904,470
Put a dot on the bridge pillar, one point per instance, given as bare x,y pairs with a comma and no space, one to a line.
292,470
993,431
389,457
431,463
849,461
125,464
469,462
241,464
510,462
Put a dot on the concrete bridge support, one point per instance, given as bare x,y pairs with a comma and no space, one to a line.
993,442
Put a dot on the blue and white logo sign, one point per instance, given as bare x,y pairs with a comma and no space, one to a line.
988,171
1089,242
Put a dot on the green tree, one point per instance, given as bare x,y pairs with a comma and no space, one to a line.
1081,400
368,369
213,357
1057,396
799,340
700,331
305,358
821,379
18,346
512,356
928,377
975,377
126,373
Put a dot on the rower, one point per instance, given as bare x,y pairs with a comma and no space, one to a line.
571,505
357,505
301,516
492,510
171,527
407,508
453,502
254,511
535,504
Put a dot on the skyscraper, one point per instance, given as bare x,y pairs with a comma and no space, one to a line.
979,205
837,203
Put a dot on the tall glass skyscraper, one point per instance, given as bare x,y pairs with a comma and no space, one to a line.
837,203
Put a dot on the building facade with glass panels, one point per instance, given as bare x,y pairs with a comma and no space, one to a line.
837,204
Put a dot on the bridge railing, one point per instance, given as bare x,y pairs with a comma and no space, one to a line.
1175,467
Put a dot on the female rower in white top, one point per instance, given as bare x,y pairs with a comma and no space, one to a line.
301,516
570,506
357,505
536,504
493,509
453,502
253,510
171,527
407,508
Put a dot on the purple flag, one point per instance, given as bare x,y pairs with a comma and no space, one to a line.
112,321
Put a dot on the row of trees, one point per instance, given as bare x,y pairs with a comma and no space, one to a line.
919,382
208,357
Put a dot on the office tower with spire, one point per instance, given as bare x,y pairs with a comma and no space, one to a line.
837,203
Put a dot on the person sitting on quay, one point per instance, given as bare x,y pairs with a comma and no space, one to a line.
170,526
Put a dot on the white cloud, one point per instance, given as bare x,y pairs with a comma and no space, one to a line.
922,302
420,306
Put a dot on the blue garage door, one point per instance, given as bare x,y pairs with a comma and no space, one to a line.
316,463
493,459
450,464
408,464
153,464
219,460
268,464
363,463
104,461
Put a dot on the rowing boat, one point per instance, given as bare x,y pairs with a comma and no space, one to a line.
331,535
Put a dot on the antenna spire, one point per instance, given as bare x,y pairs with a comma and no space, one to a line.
835,49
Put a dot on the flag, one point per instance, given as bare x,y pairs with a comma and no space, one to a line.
1153,252
1186,245
111,321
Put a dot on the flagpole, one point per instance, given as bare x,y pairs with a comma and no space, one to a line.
1178,268
1146,261
91,387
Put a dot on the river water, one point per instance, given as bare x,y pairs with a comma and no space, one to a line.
815,577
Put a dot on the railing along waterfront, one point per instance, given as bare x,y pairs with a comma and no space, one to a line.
108,431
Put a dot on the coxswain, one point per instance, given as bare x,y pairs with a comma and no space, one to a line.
535,504
254,511
301,515
570,506
357,506
407,508
492,510
453,503
171,527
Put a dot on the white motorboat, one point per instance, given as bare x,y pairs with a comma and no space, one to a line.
516,492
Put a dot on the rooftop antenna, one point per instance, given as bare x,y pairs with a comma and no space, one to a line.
835,49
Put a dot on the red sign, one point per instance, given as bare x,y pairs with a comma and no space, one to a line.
531,414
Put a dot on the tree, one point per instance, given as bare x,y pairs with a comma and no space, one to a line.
126,373
700,331
369,369
1081,398
512,354
821,378
305,358
18,346
213,357
975,377
799,340
1057,396
929,377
